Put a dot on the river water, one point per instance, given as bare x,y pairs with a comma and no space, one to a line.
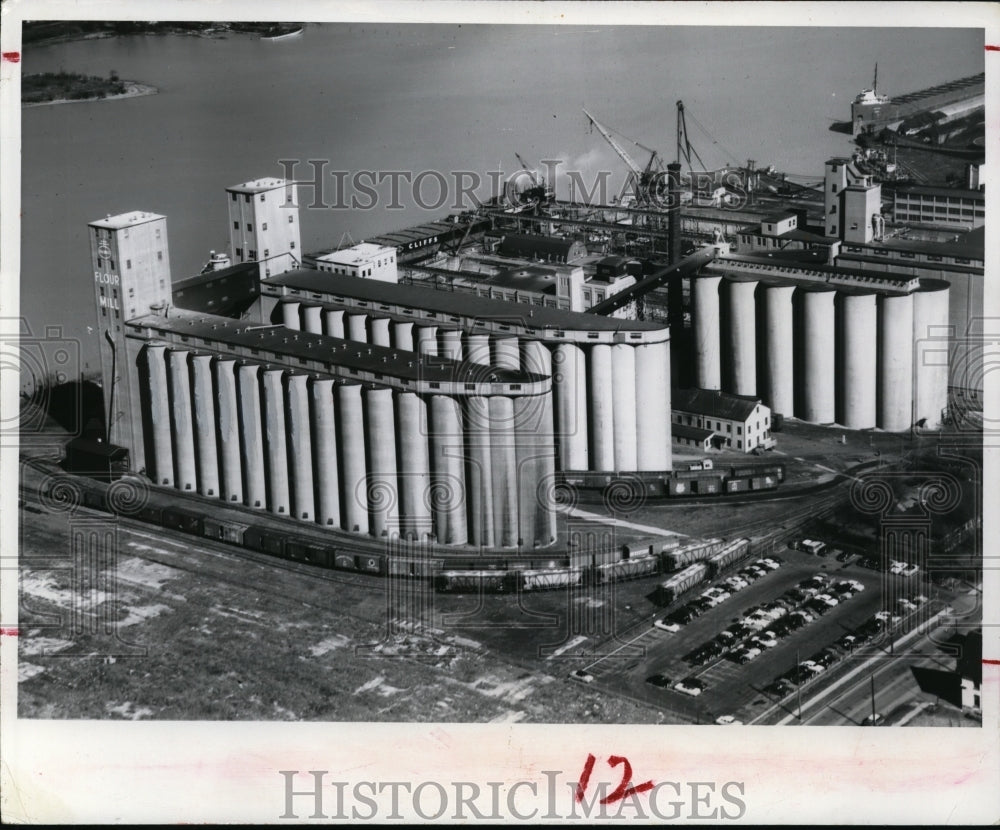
419,98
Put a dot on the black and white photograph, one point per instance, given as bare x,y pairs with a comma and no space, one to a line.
600,380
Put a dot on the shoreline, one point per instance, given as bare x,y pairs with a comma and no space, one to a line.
133,90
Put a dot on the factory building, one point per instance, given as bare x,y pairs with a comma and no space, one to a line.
264,224
610,377
823,344
940,206
852,202
732,421
542,248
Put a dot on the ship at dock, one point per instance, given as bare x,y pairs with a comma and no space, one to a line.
872,111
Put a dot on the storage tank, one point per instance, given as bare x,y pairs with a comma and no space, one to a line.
818,356
930,336
858,326
895,362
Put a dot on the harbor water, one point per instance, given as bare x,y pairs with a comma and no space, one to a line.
442,98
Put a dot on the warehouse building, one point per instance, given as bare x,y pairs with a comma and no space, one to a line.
733,421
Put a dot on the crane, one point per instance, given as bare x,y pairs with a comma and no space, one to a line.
645,181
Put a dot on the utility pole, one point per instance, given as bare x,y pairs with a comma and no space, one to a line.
873,698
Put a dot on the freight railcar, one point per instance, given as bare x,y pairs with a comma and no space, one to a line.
474,582
680,583
676,558
545,580
635,567
731,554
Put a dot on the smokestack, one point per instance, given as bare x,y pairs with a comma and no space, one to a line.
674,222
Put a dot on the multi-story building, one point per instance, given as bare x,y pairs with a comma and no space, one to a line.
704,418
264,224
131,264
940,206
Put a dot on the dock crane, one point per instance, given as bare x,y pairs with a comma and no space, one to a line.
647,182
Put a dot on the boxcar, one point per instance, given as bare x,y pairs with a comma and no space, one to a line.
472,582
707,485
305,552
372,563
224,531
737,485
95,500
180,518
344,561
150,513
265,540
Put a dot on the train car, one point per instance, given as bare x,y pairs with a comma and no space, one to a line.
737,485
680,583
264,539
151,513
224,531
309,553
474,582
635,567
344,561
732,553
370,563
183,519
706,485
95,500
546,580
680,557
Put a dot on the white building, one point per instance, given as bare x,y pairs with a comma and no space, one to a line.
264,225
368,261
737,422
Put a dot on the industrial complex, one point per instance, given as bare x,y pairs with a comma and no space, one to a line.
535,394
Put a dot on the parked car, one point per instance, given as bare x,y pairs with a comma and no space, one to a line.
690,686
748,654
581,676
765,640
779,687
845,556
848,641
668,624
728,720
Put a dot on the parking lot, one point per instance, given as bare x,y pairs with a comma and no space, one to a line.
738,689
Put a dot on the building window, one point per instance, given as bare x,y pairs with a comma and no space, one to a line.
833,209
729,428
249,228
159,256
239,252
291,244
264,227
262,197
833,187
291,219
246,198
739,430
236,226
233,195
252,254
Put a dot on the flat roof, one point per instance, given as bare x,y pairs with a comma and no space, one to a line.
126,220
952,192
450,303
361,252
259,185
202,330
774,218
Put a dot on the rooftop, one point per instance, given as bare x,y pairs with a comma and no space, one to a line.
359,253
126,220
326,353
953,192
720,405
460,306
259,185
694,433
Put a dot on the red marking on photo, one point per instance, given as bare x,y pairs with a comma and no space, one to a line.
9,632
992,47
987,662
12,57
